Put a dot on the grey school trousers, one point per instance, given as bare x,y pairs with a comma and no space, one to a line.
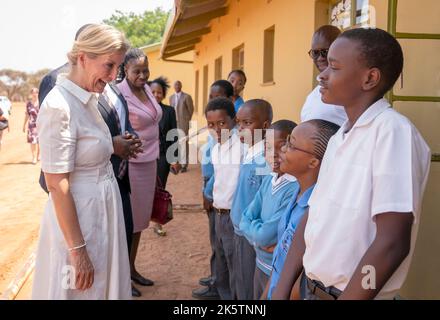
260,282
212,239
224,246
244,268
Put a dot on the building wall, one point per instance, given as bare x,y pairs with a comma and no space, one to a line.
173,71
295,22
245,23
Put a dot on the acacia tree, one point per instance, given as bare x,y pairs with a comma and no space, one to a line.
140,29
17,85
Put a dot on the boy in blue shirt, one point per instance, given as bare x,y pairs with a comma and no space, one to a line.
238,80
259,222
253,118
301,156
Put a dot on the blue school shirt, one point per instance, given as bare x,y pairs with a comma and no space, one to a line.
238,103
288,223
252,172
260,219
208,168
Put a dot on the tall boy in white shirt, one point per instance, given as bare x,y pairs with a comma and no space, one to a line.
358,238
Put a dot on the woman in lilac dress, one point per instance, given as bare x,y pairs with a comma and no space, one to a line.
30,122
144,114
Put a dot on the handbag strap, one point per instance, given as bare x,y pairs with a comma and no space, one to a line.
159,182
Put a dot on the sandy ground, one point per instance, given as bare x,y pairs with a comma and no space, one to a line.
175,262
21,199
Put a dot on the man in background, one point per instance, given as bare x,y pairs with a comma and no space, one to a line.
183,104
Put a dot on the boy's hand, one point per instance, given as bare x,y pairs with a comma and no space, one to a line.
207,204
269,249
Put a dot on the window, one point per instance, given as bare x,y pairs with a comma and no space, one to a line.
346,14
205,86
238,58
269,50
218,69
196,102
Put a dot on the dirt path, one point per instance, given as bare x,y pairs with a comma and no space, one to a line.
21,199
175,262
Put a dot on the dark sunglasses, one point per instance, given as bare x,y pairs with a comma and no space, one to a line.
314,54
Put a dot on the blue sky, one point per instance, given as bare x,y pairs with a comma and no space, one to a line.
37,34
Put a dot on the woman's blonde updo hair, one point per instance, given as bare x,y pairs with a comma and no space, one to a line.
96,40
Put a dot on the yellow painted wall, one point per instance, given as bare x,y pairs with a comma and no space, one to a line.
245,23
173,71
295,22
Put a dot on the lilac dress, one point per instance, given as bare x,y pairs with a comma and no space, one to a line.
32,111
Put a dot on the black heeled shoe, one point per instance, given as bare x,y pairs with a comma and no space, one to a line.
142,281
135,292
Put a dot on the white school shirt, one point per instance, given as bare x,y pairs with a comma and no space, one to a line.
226,159
381,165
314,108
117,104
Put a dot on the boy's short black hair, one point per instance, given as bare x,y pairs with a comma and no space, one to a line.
381,50
261,106
285,126
221,103
227,87
240,72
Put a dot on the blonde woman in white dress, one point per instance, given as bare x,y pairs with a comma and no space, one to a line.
82,251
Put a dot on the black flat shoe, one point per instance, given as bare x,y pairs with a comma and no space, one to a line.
206,293
206,281
135,292
142,281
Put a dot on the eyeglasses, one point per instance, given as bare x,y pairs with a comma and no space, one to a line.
314,54
289,146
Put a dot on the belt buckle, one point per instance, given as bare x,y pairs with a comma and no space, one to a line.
320,292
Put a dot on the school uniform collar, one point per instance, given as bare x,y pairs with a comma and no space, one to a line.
303,202
254,151
276,180
370,114
281,181
83,95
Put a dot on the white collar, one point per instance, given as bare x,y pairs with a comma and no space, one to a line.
276,180
279,182
83,95
254,151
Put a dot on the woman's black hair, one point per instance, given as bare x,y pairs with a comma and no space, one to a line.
163,82
133,53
